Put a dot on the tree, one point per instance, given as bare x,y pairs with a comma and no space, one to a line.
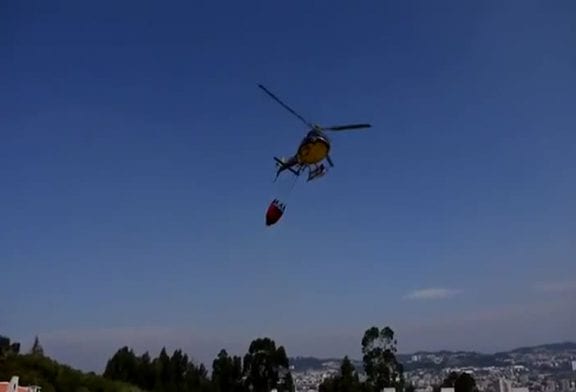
7,347
409,388
145,372
52,376
175,373
345,381
177,370
196,379
123,366
267,367
285,382
461,382
162,369
227,373
379,358
465,383
449,381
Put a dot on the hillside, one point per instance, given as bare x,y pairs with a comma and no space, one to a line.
37,369
53,376
548,356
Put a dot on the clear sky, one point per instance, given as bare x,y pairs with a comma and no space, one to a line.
136,167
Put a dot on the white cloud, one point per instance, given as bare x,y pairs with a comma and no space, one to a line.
432,293
556,287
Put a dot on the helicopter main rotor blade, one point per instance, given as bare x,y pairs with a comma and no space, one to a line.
274,97
347,127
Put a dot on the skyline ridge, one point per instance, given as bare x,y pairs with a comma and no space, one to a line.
554,345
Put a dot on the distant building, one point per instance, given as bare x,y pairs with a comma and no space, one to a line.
12,386
520,389
565,385
504,385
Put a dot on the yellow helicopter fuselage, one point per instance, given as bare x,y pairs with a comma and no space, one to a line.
313,149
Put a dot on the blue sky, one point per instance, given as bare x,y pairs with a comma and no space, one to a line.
136,168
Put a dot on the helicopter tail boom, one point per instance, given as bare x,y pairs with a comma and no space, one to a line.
285,166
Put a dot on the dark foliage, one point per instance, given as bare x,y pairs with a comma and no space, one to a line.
36,369
227,373
267,367
381,366
461,382
264,367
346,380
166,373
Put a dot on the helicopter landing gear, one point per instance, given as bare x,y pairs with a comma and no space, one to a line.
317,172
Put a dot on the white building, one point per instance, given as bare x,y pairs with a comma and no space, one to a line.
12,386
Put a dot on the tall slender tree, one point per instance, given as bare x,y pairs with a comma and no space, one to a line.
227,373
379,356
266,367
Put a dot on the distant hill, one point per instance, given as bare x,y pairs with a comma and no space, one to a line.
35,368
53,376
552,347
553,357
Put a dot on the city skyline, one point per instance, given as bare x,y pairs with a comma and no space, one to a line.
89,349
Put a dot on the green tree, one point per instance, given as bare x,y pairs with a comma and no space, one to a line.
461,382
53,376
328,385
196,379
177,371
145,377
7,347
165,373
465,383
227,373
345,381
448,382
267,367
349,381
285,381
162,365
123,366
379,357
409,388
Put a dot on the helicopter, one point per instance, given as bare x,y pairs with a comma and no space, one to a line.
314,148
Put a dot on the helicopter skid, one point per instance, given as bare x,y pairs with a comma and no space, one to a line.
286,166
317,172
